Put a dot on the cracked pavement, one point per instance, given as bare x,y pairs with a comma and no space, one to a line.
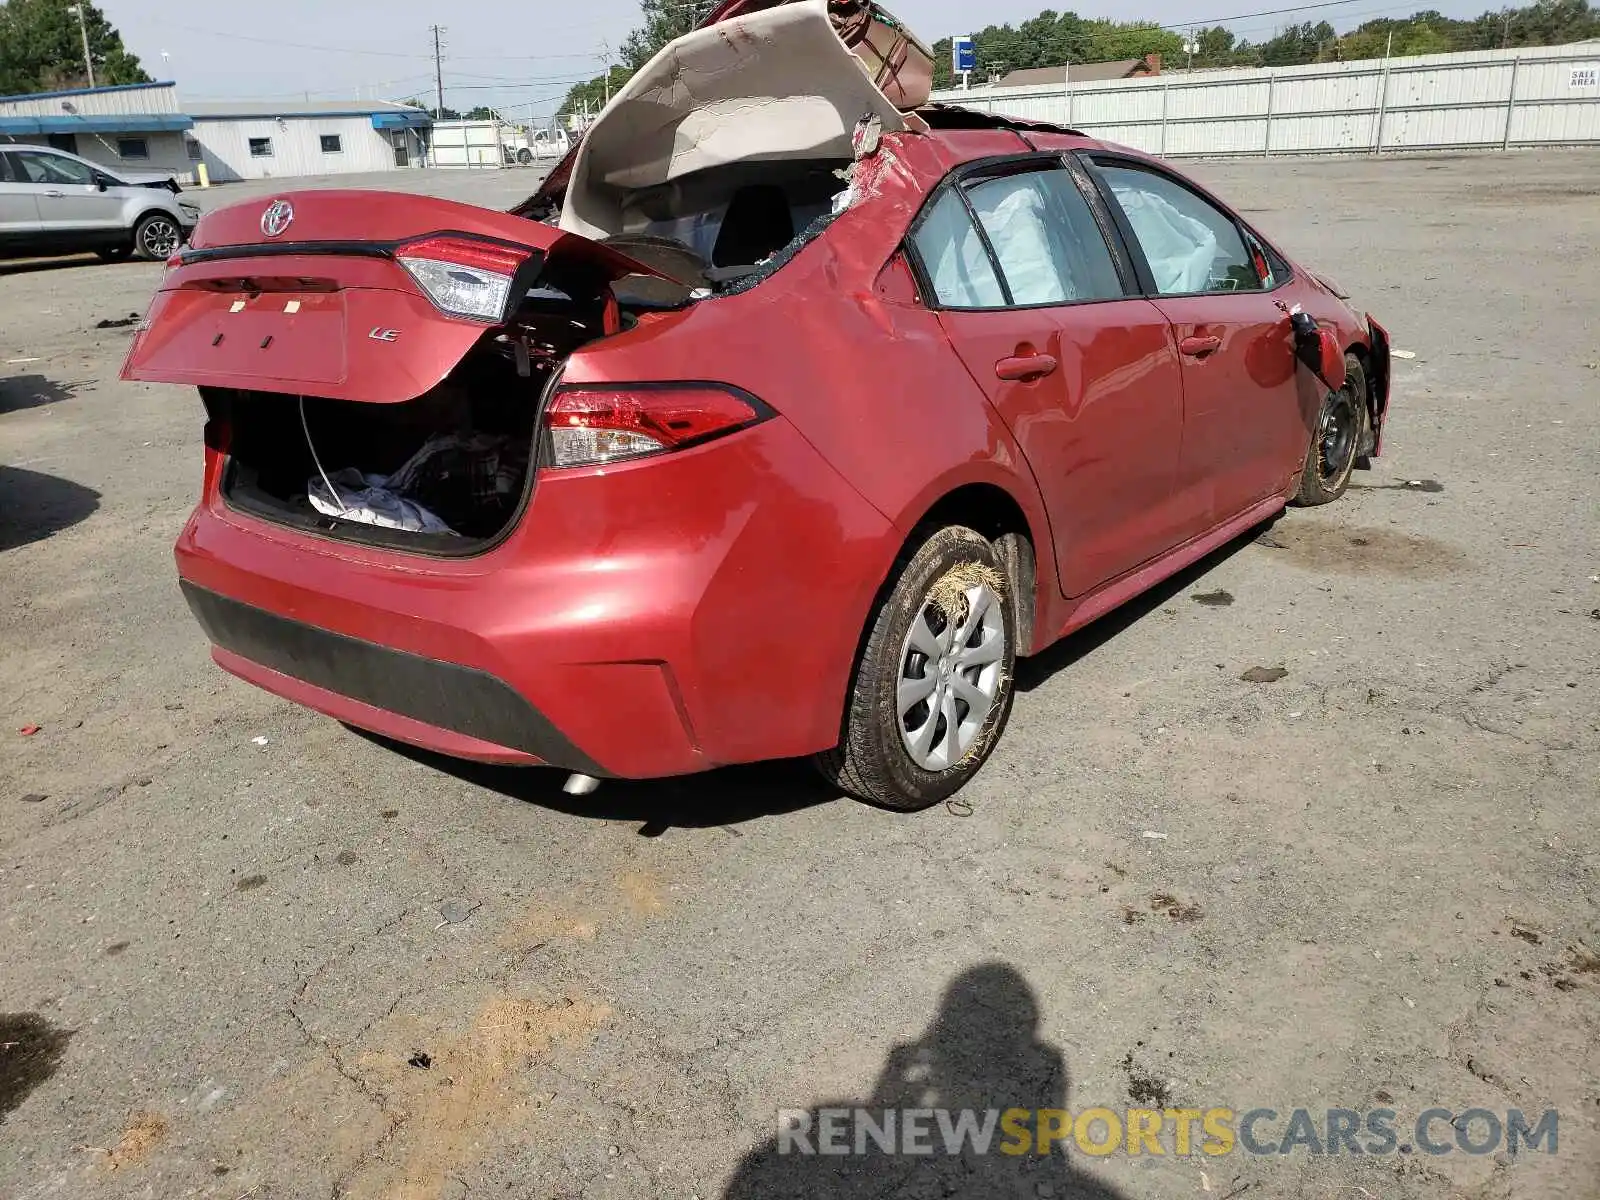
1377,882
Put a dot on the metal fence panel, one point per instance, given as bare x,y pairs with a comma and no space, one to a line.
1491,98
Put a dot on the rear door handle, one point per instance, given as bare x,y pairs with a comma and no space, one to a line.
1199,347
54,195
1025,366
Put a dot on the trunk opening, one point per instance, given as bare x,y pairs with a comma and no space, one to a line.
447,473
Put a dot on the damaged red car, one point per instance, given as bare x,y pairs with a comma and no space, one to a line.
781,422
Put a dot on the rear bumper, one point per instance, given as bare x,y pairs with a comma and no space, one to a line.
442,706
642,620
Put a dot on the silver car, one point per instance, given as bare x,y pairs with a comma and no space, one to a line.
52,202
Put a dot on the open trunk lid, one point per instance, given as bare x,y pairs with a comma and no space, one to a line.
318,293
757,79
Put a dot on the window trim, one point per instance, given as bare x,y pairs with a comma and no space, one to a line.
337,139
1092,160
250,147
981,170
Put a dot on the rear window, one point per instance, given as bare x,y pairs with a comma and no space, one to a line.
958,266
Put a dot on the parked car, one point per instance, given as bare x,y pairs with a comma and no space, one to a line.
790,438
52,202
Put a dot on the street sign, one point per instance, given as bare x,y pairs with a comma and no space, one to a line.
963,55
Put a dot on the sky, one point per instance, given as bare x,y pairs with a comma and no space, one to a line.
521,57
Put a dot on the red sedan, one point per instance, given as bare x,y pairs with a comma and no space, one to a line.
788,439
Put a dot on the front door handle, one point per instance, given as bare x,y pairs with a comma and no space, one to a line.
1199,347
54,195
1025,366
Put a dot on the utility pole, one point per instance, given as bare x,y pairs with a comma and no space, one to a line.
83,30
606,47
438,73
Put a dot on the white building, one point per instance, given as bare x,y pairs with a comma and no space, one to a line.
270,140
138,126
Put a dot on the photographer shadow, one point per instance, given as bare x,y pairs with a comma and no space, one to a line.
981,1052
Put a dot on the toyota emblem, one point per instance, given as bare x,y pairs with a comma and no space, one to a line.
277,217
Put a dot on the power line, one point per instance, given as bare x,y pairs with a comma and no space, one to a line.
345,50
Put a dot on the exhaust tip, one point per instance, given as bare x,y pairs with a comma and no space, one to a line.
579,785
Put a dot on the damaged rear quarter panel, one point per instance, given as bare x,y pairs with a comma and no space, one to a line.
862,377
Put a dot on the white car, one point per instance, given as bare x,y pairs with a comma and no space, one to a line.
52,202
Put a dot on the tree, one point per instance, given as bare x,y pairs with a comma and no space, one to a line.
483,113
1054,39
41,48
664,20
1216,47
591,95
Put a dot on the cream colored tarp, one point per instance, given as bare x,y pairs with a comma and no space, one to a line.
777,84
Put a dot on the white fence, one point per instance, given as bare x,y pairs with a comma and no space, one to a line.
1490,99
468,144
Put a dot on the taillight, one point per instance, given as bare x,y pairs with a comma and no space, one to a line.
464,276
585,426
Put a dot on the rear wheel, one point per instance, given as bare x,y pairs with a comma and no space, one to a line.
933,688
1335,439
156,236
524,156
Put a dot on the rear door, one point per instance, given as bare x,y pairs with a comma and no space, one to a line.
69,198
19,209
1244,429
1042,312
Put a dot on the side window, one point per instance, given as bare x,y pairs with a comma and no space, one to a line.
1045,237
51,168
1191,245
954,257
5,169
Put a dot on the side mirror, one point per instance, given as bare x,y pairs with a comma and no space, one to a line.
101,182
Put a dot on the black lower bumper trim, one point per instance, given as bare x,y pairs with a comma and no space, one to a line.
449,696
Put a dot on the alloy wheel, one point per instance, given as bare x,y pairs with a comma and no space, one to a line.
159,237
950,678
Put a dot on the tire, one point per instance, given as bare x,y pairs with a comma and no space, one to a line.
525,156
115,253
909,641
1335,440
156,236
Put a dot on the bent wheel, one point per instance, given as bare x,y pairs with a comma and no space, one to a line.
1335,439
932,690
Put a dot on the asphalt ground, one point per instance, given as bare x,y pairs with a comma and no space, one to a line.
246,952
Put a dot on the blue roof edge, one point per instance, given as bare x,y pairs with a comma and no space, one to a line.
115,87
